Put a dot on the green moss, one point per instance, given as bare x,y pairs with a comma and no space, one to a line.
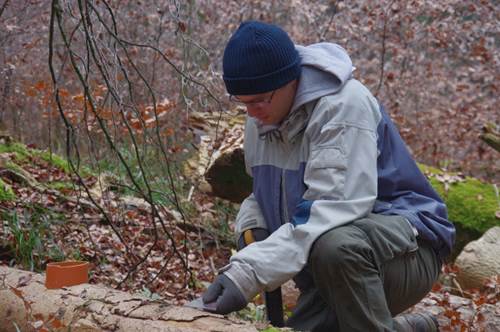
471,204
23,153
430,170
53,159
60,185
20,150
6,192
62,163
13,166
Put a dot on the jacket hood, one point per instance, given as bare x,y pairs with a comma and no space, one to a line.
326,67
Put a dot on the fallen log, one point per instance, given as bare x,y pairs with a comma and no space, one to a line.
224,169
26,305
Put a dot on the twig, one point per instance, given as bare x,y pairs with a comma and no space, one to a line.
3,7
334,11
382,53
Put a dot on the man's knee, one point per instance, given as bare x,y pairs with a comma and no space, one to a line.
339,248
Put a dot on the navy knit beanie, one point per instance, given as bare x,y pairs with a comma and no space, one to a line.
259,58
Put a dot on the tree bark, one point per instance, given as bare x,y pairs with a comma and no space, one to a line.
227,176
26,304
220,162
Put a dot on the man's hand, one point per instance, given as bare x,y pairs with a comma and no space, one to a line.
258,234
225,294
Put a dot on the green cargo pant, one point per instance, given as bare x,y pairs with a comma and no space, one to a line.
363,274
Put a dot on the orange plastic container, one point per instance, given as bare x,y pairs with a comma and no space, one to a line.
67,273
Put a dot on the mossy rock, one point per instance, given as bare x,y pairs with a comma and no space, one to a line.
472,204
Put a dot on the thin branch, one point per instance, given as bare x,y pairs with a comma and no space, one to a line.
70,136
162,55
3,7
334,11
383,52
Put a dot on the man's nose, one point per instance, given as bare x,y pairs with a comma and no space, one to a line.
253,110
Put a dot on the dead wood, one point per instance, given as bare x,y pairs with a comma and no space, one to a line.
25,303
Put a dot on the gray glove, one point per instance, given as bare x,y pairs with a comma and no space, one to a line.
229,298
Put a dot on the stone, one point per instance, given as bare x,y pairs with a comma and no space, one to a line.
479,260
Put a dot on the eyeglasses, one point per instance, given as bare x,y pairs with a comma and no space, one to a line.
259,103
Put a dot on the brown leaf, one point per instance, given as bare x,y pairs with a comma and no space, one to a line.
182,26
56,323
38,317
17,292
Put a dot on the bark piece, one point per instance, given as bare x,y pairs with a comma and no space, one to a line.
227,176
226,172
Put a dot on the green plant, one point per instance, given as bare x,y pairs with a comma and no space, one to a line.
252,313
76,255
31,238
147,293
226,212
154,171
6,192
26,243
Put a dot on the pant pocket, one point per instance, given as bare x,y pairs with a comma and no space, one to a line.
390,236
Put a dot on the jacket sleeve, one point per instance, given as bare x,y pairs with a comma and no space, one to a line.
341,181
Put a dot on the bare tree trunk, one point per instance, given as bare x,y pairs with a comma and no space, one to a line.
26,304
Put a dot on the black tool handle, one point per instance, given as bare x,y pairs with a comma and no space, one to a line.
274,306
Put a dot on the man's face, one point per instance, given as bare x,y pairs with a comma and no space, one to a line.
272,107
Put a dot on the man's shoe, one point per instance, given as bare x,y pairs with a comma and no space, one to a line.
416,323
